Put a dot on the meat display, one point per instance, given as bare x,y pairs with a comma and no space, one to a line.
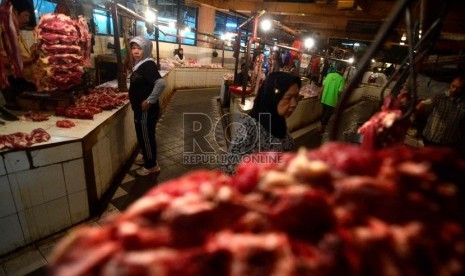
63,49
9,34
21,140
336,210
36,116
65,124
98,99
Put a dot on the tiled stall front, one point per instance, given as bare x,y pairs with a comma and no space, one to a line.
42,191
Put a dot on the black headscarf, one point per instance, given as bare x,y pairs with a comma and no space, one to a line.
266,102
21,5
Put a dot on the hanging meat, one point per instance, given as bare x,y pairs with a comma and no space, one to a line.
336,210
63,49
9,36
387,127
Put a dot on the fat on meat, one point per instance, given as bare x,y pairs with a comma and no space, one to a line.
396,218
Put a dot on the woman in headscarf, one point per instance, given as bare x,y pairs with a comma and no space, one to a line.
264,129
146,86
179,57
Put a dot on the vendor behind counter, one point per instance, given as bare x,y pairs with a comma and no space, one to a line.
22,11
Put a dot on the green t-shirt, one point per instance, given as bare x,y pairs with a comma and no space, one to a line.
333,86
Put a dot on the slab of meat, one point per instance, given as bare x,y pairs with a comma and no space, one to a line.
62,59
36,116
21,140
85,39
65,124
98,99
58,24
9,37
386,127
337,210
57,49
63,50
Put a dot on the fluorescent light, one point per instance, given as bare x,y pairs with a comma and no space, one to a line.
150,16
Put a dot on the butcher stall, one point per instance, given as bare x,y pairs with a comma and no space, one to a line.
57,182
60,154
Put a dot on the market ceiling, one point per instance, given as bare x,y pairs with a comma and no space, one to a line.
359,19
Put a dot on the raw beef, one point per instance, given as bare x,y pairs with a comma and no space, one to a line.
98,99
337,210
63,51
21,140
10,30
65,124
36,116
387,127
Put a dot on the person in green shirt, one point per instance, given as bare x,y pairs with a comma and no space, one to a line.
330,91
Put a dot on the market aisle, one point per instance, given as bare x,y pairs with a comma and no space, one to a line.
173,132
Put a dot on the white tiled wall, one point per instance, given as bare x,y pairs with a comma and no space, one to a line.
2,166
198,77
51,155
117,140
7,204
16,161
75,178
103,166
78,206
34,187
11,233
42,220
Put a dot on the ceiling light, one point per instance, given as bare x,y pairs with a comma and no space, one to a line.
309,42
373,60
351,60
404,37
266,24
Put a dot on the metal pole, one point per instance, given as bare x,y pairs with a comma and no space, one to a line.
237,52
157,34
178,11
247,63
222,57
121,77
135,15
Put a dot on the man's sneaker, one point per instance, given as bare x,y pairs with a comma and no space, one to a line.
143,171
139,160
